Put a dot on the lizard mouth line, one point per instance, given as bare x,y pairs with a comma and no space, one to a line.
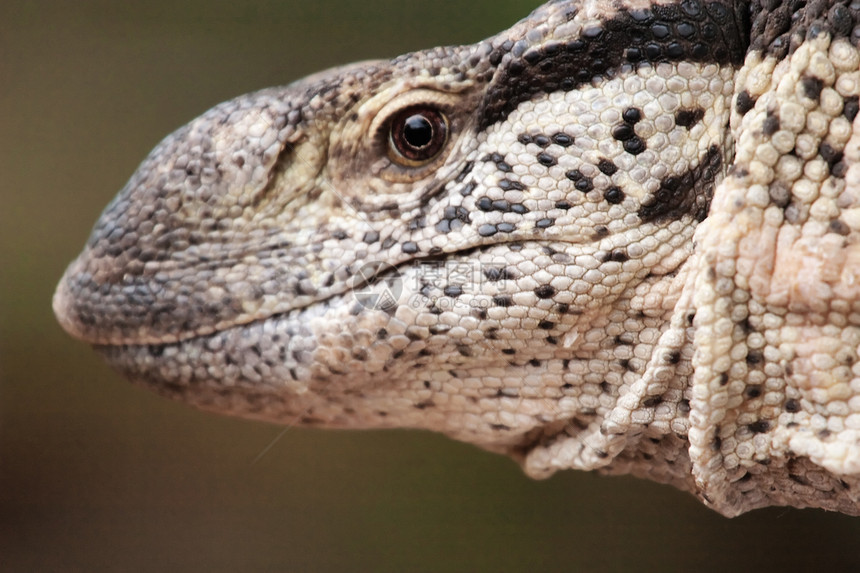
369,275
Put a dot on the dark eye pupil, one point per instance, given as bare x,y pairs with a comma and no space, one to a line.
417,131
417,135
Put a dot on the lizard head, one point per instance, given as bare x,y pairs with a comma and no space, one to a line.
480,240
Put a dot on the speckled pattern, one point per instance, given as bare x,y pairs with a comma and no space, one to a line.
620,236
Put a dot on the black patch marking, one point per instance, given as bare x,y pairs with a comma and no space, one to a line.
689,117
533,65
688,195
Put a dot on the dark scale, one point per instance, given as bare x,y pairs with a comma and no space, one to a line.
812,87
613,195
545,291
487,230
546,159
744,102
850,107
501,205
607,167
634,145
453,290
562,139
631,115
771,124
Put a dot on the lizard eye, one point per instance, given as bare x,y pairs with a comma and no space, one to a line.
417,135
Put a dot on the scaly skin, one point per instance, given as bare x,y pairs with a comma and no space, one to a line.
626,240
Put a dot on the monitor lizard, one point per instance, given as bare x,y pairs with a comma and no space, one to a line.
620,236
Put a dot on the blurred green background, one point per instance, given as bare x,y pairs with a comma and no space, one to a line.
97,475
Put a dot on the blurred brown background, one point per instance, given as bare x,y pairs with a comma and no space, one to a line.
97,475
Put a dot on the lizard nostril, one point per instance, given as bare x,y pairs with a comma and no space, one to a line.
417,135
